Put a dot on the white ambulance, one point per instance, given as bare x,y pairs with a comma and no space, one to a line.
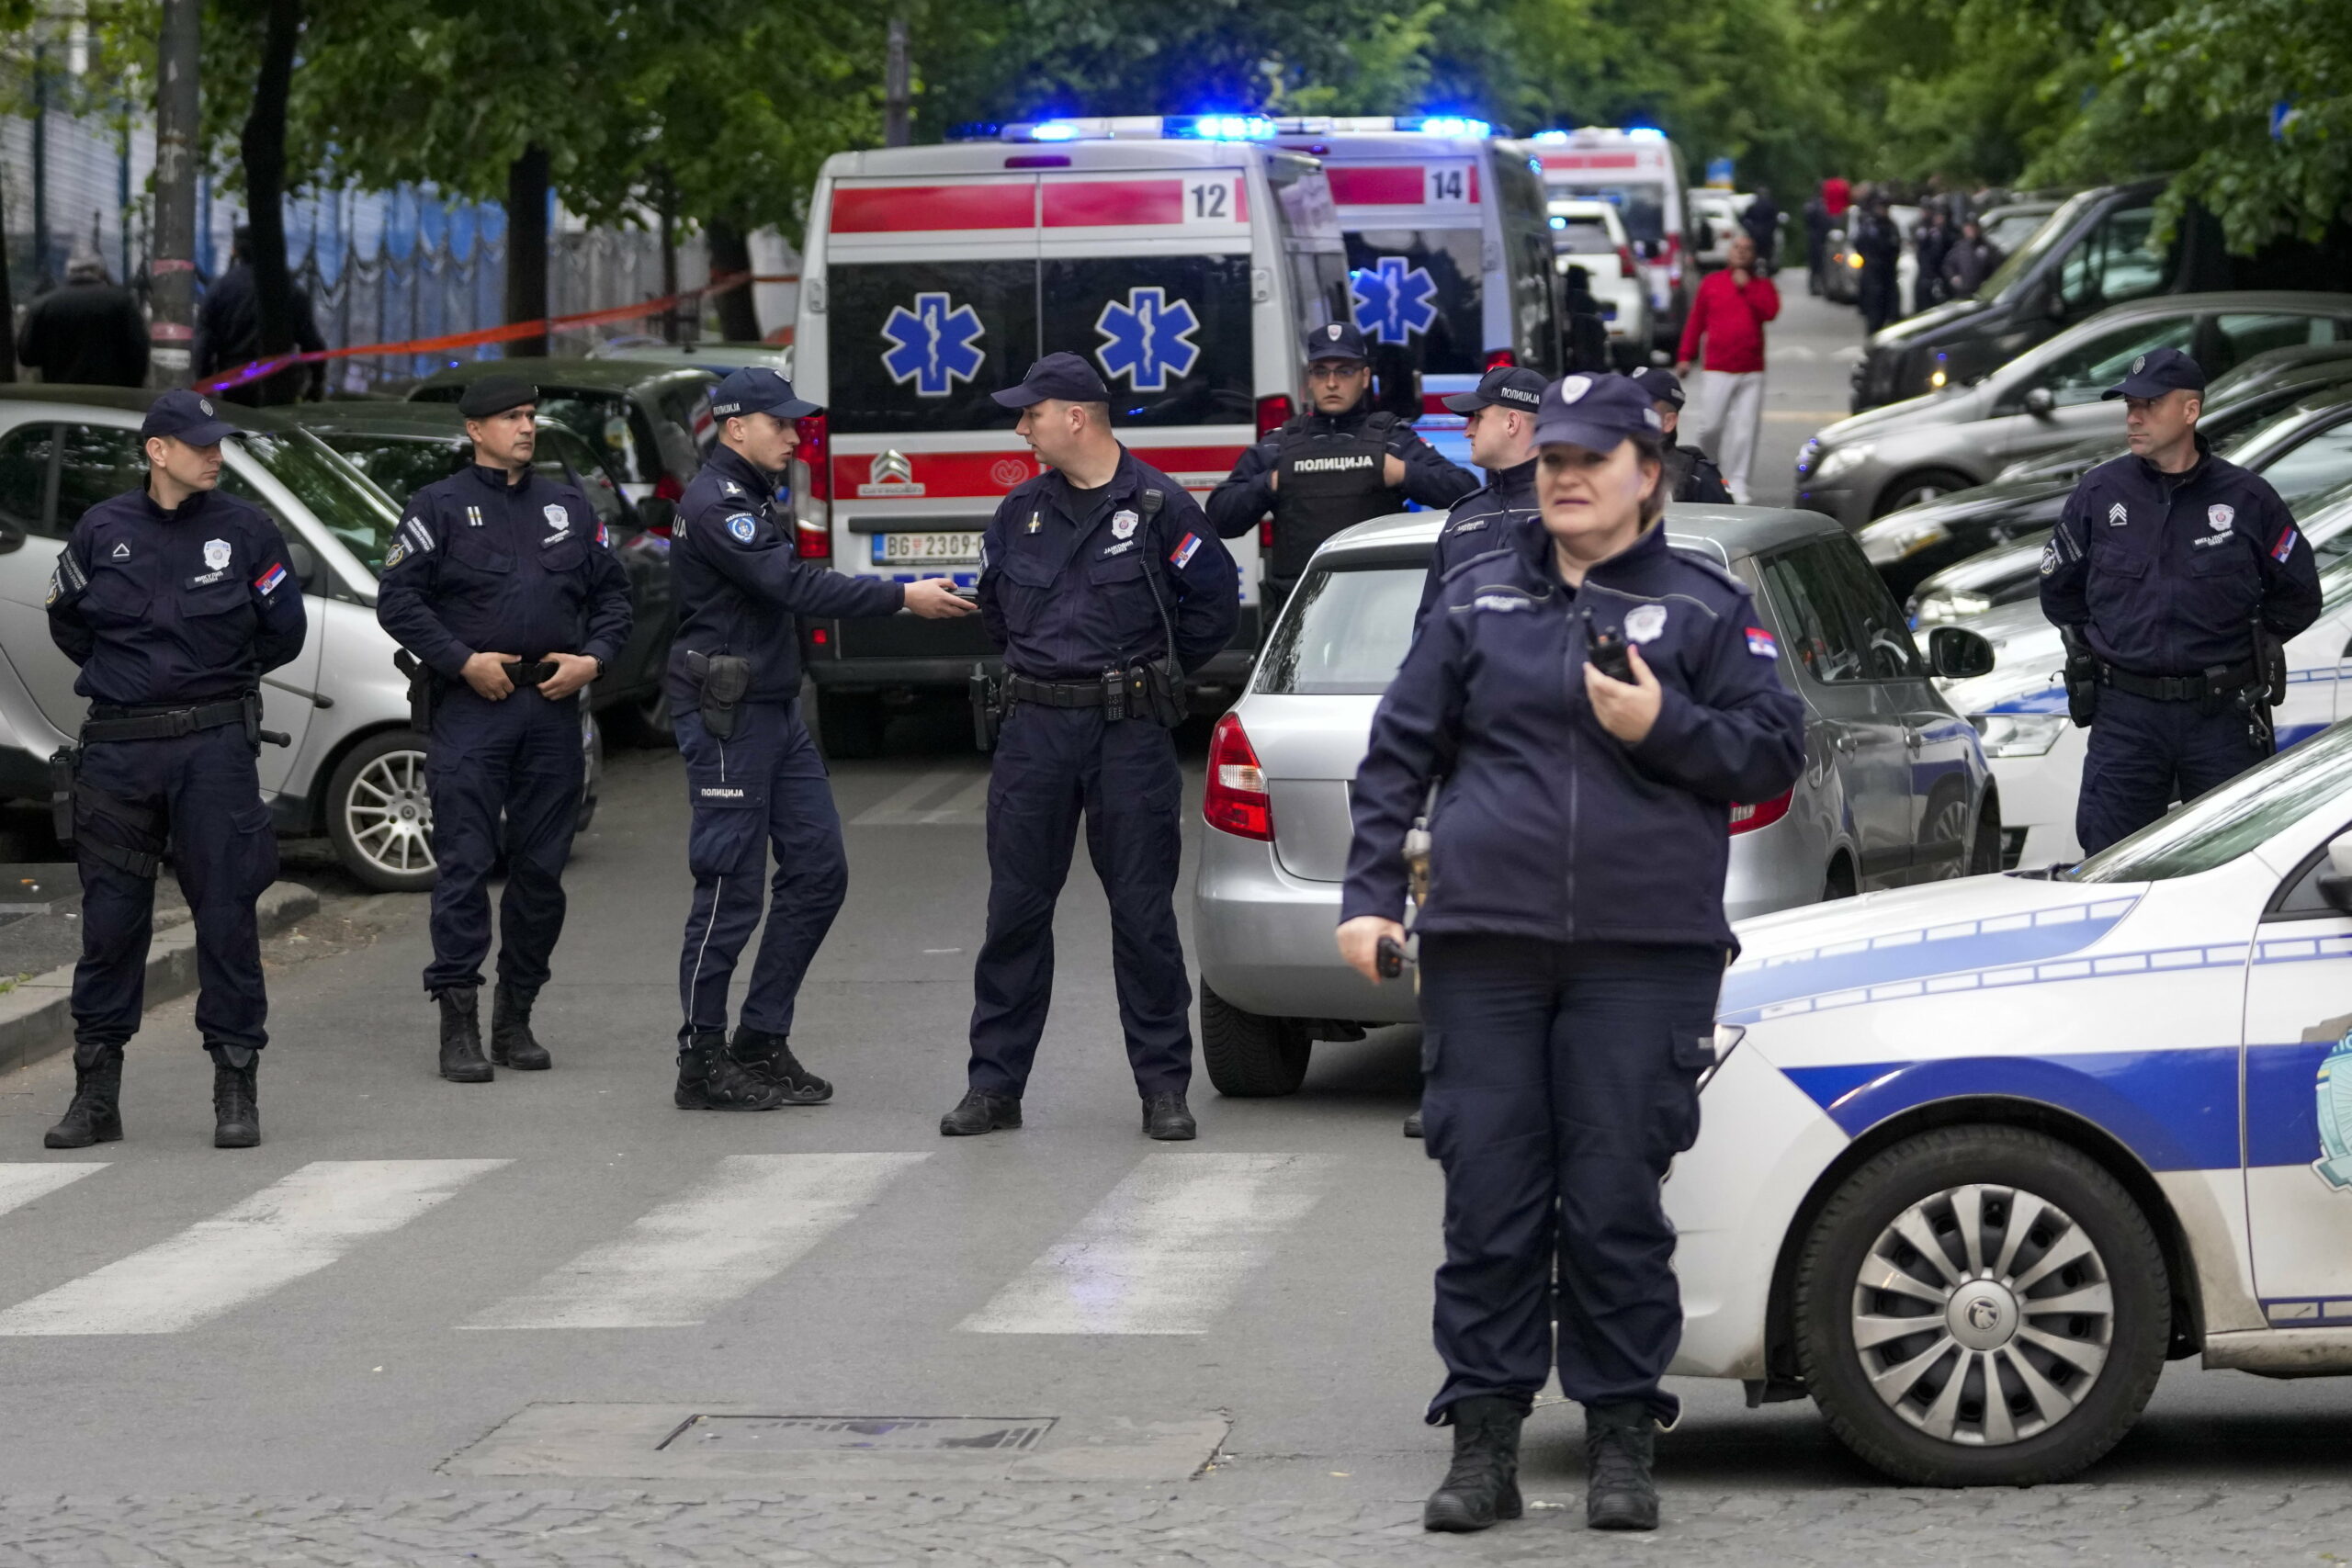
1639,173
1184,260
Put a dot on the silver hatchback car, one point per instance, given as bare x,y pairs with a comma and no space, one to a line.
1895,788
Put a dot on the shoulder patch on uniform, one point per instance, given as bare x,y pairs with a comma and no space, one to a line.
1761,643
70,571
744,527
2050,558
419,537
266,583
1186,548
2288,539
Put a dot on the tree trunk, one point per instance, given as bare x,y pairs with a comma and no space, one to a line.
7,309
262,145
665,212
526,247
739,313
171,268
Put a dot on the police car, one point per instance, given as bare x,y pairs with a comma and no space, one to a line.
1637,170
1980,1158
1186,260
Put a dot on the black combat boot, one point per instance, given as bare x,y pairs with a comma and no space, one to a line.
1618,1442
769,1058
708,1080
94,1116
1413,1125
1165,1117
982,1111
1483,1485
512,1043
462,1058
236,1096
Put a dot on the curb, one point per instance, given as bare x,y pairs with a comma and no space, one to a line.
37,1017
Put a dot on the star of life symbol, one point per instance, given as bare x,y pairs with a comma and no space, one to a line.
2334,1164
1393,299
932,345
1148,339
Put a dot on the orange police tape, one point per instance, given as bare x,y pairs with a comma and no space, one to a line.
259,368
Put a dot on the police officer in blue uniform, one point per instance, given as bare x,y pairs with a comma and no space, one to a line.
1691,474
1572,938
1338,464
502,583
1104,586
753,777
1499,419
2175,577
175,600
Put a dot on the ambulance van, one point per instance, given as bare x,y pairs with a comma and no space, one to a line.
1639,173
1185,265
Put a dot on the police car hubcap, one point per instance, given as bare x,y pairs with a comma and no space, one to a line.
388,814
1983,1314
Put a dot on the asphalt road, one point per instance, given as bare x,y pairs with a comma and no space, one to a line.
425,1323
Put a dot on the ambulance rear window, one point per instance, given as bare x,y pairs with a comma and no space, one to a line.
1421,290
1640,204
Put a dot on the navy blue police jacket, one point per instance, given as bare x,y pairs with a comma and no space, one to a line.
1547,825
737,575
1488,519
2164,573
479,565
1247,494
189,605
1074,583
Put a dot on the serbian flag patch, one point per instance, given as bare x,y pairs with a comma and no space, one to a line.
1760,643
2284,547
1186,548
269,580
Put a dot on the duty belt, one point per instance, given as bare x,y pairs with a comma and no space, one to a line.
1053,694
109,722
2181,688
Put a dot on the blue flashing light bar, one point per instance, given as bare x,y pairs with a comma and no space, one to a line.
1447,125
1053,130
1549,137
1645,133
1222,127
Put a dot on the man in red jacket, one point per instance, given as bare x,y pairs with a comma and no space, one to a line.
1729,318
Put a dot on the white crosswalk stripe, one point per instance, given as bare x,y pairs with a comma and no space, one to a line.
1166,1251
918,805
289,1229
751,1219
22,1184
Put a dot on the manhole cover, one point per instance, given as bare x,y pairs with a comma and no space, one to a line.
893,1434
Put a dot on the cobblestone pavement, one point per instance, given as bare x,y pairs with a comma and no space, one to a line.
2073,1525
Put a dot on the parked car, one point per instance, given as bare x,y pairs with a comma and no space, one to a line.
2010,228
356,769
1871,463
1910,545
1978,1160
1717,213
655,418
712,354
404,445
1895,789
1591,235
2098,250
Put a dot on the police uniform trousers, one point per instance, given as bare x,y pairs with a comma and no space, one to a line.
205,792
2144,754
764,785
1051,766
1559,1080
520,757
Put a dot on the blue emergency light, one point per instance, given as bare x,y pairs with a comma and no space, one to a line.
1222,127
1447,125
1053,130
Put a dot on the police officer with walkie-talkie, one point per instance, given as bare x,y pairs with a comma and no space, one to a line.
175,600
502,584
2174,576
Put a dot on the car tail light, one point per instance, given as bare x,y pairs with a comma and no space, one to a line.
812,541
1625,259
816,451
1235,800
1265,533
1500,358
1274,412
667,488
1747,818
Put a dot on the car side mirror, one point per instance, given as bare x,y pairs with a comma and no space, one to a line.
2335,883
657,513
2038,403
1958,653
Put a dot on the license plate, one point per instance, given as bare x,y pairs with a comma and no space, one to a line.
913,549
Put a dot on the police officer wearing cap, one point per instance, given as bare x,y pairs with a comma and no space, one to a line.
502,584
175,600
1691,474
1105,587
2174,576
1330,467
753,777
1573,936
1499,419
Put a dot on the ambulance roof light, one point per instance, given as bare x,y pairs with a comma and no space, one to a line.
1053,130
1550,137
1223,127
1645,133
1447,125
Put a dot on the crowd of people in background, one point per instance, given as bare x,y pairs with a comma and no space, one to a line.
1947,241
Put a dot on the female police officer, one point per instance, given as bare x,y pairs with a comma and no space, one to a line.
1572,936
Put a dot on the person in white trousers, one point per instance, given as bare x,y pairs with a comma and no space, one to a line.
1725,336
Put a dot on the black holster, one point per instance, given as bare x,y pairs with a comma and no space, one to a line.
2081,677
987,707
1162,693
420,690
63,763
726,678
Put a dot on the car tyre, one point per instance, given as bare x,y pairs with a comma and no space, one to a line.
1984,852
1249,1056
2050,1227
850,724
378,816
1913,489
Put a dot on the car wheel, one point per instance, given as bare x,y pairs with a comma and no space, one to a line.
1913,489
379,817
1981,1306
1839,883
1984,852
850,724
1948,821
1249,1056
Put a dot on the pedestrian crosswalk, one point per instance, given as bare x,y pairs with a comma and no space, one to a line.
944,797
1169,1248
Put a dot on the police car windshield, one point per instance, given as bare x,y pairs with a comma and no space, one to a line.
2217,827
358,514
1346,628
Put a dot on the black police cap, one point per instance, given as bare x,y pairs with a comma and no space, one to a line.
185,416
1597,412
1335,340
1663,385
495,395
2158,371
757,389
1504,386
1063,375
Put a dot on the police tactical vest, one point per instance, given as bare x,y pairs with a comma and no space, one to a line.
1330,479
